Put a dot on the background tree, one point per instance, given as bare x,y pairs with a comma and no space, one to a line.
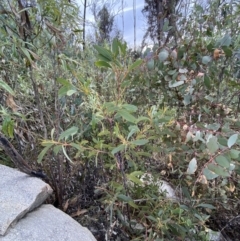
105,24
160,13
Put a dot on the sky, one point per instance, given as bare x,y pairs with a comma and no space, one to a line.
128,31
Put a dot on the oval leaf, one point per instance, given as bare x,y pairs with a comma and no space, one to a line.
212,144
140,142
218,170
176,84
192,166
163,55
206,59
126,115
69,132
232,140
222,161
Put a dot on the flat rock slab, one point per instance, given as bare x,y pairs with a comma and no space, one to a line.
47,223
19,194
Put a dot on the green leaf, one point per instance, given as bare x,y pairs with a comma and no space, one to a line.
64,82
222,161
77,146
65,154
6,87
115,47
205,205
117,149
176,84
8,126
132,204
69,132
102,63
226,40
71,92
123,197
227,51
218,170
150,64
192,166
135,64
163,55
209,174
104,52
140,142
206,59
126,115
134,179
207,81
212,144
222,141
232,140
133,129
130,108
43,152
234,154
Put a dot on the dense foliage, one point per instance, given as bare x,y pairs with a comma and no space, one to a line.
96,120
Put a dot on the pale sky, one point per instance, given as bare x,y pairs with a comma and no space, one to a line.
128,33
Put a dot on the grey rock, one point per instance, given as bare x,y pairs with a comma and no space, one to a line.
19,194
47,223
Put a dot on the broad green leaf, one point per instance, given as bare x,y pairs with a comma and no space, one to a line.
117,149
63,91
163,55
130,108
142,118
232,140
8,126
214,126
104,52
102,63
234,154
77,146
227,51
222,141
140,142
64,82
212,144
226,40
133,129
123,197
43,152
218,170
69,132
176,84
192,166
135,64
115,47
209,174
126,115
205,205
6,87
150,64
56,149
222,161
206,59
134,179
133,204
71,92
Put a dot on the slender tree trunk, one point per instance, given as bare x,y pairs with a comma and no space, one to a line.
84,24
134,23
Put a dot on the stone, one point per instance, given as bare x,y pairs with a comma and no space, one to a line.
163,186
47,223
19,194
